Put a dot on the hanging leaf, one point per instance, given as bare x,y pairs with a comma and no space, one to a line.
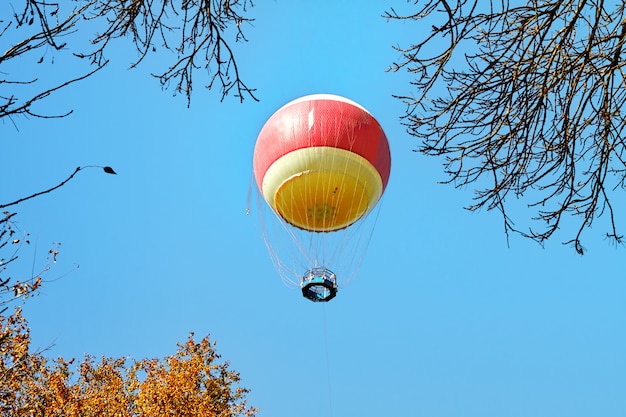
109,170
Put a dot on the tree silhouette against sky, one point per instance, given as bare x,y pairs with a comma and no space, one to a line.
523,101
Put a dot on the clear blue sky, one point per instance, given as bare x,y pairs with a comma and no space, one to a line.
443,320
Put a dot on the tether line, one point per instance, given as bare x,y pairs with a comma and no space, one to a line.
330,399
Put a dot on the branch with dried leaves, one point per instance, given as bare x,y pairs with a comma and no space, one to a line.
12,290
532,105
11,242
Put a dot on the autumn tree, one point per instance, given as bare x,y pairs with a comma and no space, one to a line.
195,35
523,100
192,382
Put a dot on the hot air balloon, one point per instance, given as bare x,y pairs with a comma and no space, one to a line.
321,164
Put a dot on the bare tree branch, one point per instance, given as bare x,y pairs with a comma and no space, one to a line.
11,108
44,34
194,30
107,170
41,192
533,105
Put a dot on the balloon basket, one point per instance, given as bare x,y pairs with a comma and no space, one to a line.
319,285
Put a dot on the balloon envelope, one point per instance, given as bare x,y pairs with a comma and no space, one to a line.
322,162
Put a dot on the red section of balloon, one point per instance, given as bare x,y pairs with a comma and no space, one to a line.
322,121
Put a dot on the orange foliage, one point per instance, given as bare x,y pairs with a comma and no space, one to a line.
189,383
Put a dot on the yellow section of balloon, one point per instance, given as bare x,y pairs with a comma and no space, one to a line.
322,189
